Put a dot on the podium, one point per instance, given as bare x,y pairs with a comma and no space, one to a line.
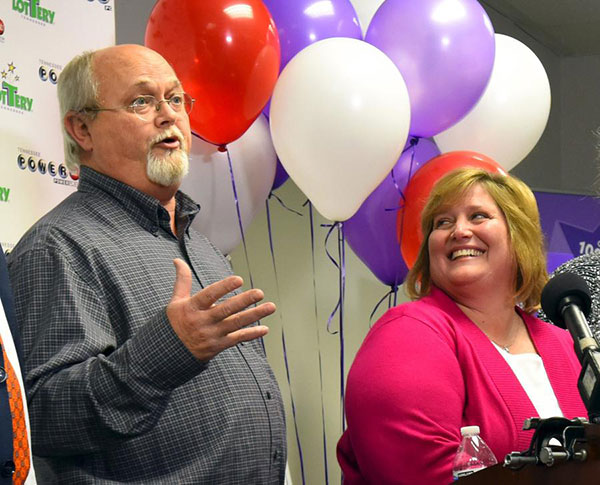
569,472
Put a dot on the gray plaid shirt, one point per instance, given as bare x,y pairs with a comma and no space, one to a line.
114,396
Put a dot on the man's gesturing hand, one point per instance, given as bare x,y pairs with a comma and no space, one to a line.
206,327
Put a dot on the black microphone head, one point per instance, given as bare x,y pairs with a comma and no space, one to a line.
561,290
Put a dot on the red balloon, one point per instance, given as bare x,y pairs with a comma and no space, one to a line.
408,223
226,53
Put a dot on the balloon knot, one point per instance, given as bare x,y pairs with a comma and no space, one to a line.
222,148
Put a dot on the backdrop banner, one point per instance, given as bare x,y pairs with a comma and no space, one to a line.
571,225
37,38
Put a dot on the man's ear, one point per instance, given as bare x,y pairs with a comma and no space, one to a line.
76,125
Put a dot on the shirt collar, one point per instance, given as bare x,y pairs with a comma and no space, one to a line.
144,209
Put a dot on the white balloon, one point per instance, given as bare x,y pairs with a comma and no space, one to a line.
365,10
253,160
339,120
510,117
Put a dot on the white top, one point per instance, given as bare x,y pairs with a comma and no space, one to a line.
531,373
465,430
11,353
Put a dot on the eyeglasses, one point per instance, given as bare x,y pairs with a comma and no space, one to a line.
144,106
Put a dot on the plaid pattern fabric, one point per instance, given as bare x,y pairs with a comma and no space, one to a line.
114,395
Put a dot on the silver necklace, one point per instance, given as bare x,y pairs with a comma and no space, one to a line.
506,348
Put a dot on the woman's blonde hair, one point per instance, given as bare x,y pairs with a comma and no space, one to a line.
517,203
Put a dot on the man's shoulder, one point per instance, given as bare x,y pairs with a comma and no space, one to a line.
68,221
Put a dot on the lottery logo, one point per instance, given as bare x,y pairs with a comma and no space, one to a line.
48,74
41,166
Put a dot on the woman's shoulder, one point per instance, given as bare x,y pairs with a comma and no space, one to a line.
434,313
422,309
534,322
545,332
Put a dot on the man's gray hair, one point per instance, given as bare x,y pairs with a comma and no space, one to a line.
77,89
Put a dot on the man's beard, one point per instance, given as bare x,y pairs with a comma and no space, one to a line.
170,169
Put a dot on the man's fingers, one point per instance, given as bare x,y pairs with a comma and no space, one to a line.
205,298
183,280
236,304
242,319
246,334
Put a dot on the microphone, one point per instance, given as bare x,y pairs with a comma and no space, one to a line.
567,302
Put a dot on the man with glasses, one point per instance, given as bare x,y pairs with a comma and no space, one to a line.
142,357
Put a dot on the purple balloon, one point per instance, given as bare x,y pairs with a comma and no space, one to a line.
281,176
445,53
303,22
371,232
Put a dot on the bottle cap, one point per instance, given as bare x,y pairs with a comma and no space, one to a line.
465,430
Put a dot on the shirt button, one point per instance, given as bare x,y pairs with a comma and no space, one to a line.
8,469
3,375
275,455
268,394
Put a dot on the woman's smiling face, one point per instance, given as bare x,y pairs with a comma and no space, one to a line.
470,245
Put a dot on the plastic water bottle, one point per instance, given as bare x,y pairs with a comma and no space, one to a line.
472,454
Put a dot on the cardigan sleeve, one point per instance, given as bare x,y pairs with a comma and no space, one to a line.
404,403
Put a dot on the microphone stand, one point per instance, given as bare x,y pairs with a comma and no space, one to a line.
588,353
572,295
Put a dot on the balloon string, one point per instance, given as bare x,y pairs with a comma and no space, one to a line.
342,280
272,194
331,229
285,355
335,263
392,296
312,246
388,295
239,216
413,143
393,175
340,304
204,139
390,209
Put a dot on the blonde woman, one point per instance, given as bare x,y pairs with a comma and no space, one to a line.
469,350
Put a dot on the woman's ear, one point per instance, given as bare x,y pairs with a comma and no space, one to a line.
76,125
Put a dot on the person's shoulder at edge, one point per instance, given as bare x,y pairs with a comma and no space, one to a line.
587,266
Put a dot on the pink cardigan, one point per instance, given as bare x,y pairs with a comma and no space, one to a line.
424,371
